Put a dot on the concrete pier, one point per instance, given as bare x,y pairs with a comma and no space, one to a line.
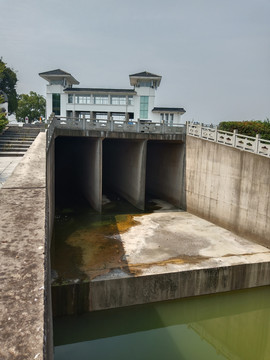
90,170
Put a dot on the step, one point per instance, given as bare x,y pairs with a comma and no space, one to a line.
19,135
15,142
18,138
11,153
9,149
12,146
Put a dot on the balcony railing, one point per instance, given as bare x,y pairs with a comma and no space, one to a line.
111,125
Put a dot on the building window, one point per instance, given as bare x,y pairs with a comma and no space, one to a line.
82,99
101,116
118,100
56,103
57,82
70,98
130,100
161,118
119,116
101,99
171,119
166,119
144,107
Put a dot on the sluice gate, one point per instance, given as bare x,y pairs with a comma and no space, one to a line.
87,167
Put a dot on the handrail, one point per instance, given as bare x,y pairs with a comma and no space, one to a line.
255,145
140,126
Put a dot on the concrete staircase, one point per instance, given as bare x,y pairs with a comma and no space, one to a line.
16,140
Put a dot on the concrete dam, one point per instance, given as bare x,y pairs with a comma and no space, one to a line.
167,255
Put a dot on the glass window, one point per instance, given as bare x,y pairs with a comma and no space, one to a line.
101,116
130,100
144,107
145,83
171,119
70,98
57,82
166,118
118,100
83,99
161,117
119,116
101,99
56,103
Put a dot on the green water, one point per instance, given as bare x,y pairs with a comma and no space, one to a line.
232,325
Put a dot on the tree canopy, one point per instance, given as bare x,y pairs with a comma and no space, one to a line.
8,81
32,105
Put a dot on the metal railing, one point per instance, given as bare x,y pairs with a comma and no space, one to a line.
86,124
255,145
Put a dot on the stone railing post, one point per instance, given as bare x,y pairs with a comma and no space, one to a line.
111,123
138,125
200,130
84,122
216,134
257,143
163,128
187,127
235,132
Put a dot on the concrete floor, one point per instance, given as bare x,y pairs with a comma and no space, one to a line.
177,241
7,165
166,241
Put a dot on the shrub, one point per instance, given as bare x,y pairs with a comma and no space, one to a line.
3,121
249,128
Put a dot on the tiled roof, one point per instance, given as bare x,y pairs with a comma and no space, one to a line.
145,74
100,90
169,109
55,72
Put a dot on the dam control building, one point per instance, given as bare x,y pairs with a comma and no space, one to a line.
133,104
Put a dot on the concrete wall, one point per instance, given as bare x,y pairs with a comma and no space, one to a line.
229,187
165,174
124,169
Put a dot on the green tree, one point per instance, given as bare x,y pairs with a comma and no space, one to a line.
8,81
3,119
32,105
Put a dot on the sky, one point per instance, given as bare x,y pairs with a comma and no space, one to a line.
213,55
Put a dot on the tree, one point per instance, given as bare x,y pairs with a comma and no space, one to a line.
3,119
32,105
8,81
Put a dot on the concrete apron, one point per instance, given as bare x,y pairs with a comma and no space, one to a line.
167,255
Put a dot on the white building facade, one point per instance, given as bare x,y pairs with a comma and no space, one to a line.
137,103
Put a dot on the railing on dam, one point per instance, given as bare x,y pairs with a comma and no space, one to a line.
255,145
139,126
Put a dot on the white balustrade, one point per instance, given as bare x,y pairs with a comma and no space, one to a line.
255,145
110,125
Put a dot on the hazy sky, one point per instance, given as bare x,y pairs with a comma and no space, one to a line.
213,55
